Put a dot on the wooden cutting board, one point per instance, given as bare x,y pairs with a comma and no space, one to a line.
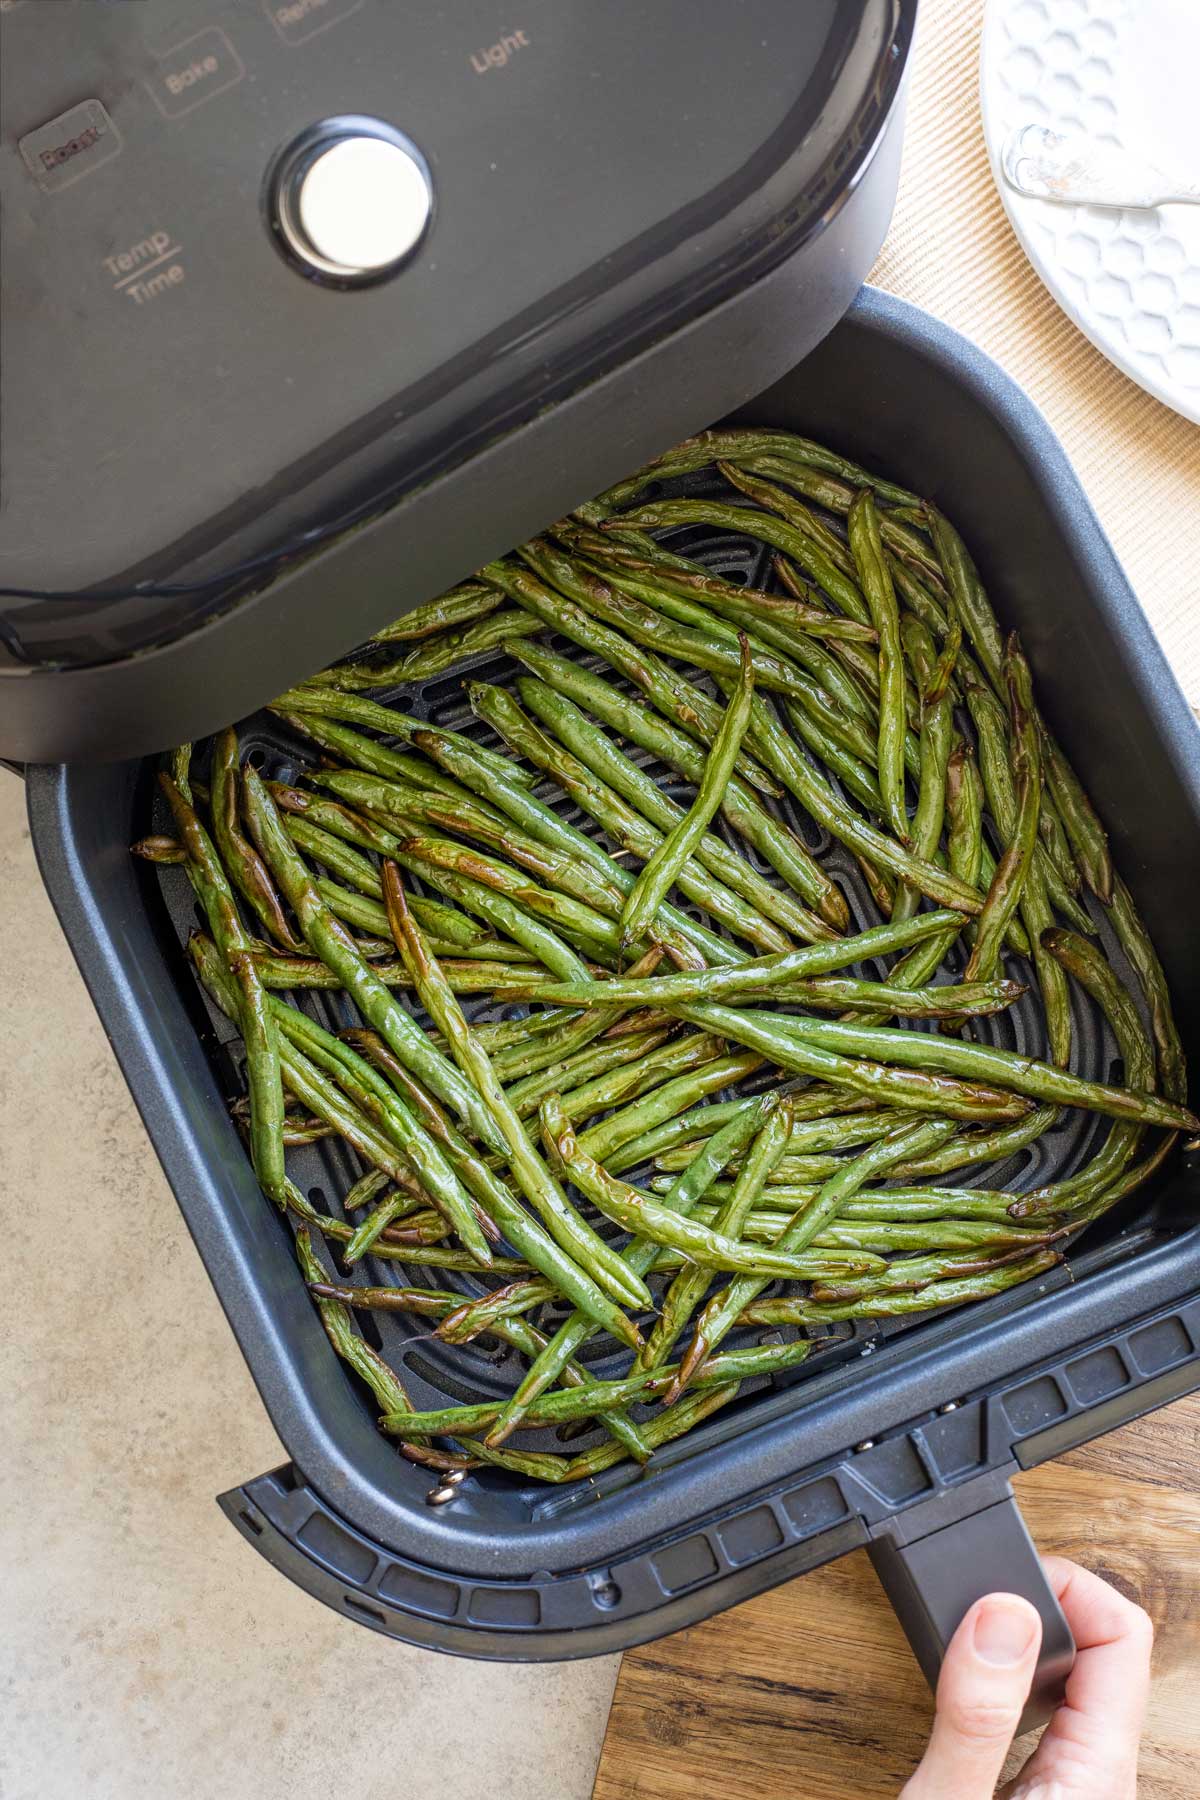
811,1690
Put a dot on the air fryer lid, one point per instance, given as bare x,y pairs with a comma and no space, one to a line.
222,343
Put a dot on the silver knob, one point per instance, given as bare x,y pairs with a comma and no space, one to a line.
351,199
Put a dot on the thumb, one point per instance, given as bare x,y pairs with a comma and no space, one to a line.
983,1686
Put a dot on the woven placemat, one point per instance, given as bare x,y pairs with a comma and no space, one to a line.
952,251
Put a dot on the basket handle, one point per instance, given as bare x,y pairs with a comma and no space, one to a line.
933,1579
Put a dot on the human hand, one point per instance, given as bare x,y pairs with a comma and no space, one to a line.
1090,1747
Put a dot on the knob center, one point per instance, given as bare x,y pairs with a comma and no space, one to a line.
351,200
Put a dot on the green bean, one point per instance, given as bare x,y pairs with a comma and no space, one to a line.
379,1377
525,1233
499,909
351,908
430,1303
659,627
322,1095
563,1066
785,618
876,584
631,830
664,1102
937,682
687,1290
970,602
887,1206
881,887
471,977
858,779
964,854
249,1004
675,1422
887,1237
403,808
373,1226
181,771
912,1274
1035,900
383,1381
937,736
1012,870
1087,836
263,1076
805,1047
433,657
208,877
543,823
808,1136
494,907
985,1062
722,1310
332,944
815,795
668,860
675,696
388,1110
860,663
599,1396
465,1320
368,1187
838,497
460,605
634,618
369,755
513,1039
640,1213
1106,1195
1084,961
763,976
571,920
985,1146
243,864
640,1255
828,696
741,443
356,709
968,999
1135,942
995,764
938,1294
651,732
702,1121
540,1188
803,550
165,852
746,476
775,909
658,1063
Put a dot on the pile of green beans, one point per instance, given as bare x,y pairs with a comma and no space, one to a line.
697,1080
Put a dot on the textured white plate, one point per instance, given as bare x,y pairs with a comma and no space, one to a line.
1126,72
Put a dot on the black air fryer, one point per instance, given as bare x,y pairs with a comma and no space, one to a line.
311,307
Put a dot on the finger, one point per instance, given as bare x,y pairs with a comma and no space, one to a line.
1091,1744
983,1686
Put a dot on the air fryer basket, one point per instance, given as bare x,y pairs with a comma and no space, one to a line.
900,1434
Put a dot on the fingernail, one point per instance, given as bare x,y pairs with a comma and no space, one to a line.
1004,1631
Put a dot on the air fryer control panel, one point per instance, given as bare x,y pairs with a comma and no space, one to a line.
232,233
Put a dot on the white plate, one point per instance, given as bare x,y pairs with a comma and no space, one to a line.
1125,72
